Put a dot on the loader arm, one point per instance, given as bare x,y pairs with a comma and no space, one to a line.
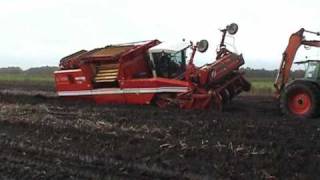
295,41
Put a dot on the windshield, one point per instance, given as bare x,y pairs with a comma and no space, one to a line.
178,57
169,64
312,70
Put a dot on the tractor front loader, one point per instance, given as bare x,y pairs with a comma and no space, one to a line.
301,97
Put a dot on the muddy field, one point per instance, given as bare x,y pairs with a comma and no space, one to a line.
43,137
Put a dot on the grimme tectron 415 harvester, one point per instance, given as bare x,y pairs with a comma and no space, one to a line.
153,72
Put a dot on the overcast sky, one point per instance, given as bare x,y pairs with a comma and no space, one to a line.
41,32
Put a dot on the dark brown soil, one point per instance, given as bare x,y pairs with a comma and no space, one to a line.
44,137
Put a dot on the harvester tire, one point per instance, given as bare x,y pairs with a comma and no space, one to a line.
300,100
163,100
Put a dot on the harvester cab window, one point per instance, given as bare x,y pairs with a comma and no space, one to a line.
180,59
169,59
169,65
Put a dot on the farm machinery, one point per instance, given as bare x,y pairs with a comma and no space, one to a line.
153,72
301,97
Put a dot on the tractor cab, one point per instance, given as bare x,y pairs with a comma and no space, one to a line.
168,60
312,71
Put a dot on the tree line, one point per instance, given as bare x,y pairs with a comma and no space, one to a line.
44,71
267,74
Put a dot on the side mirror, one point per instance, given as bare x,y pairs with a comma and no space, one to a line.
203,46
232,28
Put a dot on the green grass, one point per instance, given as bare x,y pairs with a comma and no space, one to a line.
36,81
261,86
24,77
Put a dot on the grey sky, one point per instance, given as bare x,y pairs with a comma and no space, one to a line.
41,32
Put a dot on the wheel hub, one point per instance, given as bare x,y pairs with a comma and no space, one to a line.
300,103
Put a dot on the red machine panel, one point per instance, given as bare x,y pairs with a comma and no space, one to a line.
142,91
71,80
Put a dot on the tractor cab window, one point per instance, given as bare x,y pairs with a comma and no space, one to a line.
169,65
312,70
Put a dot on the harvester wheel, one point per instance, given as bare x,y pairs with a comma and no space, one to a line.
226,96
163,100
301,100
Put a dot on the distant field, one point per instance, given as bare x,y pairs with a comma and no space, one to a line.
260,86
23,77
39,82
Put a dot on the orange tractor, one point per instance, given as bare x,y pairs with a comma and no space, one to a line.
301,97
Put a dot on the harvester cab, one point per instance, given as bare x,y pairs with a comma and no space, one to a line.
168,60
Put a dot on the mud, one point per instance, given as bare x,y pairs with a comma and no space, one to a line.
44,137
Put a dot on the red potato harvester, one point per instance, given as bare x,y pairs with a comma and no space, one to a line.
153,72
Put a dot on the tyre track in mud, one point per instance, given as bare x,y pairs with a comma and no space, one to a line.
65,129
250,140
49,146
68,165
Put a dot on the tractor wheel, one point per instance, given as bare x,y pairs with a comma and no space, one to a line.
301,100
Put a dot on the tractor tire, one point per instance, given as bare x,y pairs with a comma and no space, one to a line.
300,100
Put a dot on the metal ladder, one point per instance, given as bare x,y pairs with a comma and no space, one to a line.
106,73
